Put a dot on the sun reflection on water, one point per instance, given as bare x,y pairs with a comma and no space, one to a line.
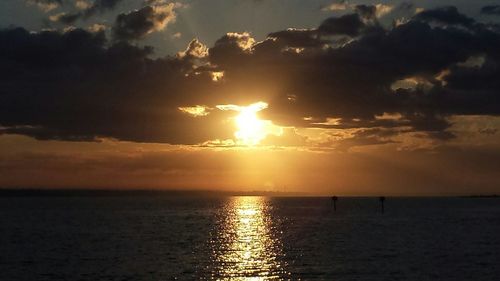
247,246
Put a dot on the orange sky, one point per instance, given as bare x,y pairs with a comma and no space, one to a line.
25,162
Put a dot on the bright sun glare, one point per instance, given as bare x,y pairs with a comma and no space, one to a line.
251,130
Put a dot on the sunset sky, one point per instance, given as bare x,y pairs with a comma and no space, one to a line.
320,97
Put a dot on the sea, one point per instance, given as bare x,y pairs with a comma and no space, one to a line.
219,237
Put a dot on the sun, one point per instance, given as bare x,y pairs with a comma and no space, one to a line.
251,130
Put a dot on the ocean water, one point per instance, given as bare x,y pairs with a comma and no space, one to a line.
248,238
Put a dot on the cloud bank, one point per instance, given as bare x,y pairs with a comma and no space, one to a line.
80,85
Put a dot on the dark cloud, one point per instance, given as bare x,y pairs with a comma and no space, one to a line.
230,48
46,1
78,86
354,81
491,10
98,6
350,25
405,6
73,86
366,11
101,6
297,38
137,24
445,15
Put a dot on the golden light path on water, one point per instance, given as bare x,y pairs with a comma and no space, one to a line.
248,247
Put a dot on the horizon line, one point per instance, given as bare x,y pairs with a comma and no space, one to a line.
90,191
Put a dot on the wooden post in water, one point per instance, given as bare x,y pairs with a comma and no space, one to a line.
334,200
382,199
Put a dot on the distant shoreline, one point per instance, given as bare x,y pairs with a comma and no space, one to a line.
42,192
83,192
482,196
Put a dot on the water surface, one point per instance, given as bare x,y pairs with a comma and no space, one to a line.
248,238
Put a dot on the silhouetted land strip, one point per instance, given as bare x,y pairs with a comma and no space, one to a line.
482,196
132,193
85,192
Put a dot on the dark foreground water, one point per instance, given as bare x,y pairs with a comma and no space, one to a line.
248,238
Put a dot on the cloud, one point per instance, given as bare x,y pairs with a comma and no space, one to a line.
350,25
97,27
298,38
82,4
64,18
372,12
78,85
98,6
85,10
112,164
365,11
288,137
491,10
45,5
196,111
445,15
253,107
340,6
360,74
242,41
230,47
74,86
195,49
139,23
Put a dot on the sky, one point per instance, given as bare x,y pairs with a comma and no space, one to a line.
317,97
